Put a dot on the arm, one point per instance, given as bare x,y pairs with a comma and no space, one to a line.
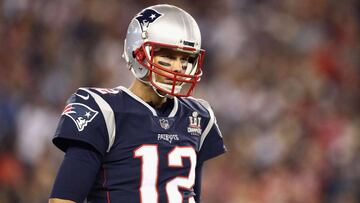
56,200
197,186
76,175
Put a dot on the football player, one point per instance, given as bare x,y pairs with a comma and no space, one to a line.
146,143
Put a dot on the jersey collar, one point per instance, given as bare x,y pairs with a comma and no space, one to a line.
153,111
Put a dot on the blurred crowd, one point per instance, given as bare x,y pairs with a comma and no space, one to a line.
282,76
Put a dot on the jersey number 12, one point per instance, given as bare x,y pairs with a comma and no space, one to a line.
149,155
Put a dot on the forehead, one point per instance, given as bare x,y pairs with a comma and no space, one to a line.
173,52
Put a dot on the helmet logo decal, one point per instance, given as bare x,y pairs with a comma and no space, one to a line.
146,17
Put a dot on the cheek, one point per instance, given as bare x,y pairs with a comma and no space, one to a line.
161,75
162,72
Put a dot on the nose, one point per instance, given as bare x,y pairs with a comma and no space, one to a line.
177,65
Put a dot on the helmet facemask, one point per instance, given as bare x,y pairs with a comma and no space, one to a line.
161,76
164,27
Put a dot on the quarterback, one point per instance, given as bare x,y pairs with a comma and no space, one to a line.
146,143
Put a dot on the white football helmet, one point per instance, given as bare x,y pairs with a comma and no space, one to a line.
164,26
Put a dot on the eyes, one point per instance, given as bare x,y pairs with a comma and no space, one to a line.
168,59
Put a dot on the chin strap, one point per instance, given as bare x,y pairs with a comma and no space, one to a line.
161,94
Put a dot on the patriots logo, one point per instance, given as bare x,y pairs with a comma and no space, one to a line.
147,16
80,114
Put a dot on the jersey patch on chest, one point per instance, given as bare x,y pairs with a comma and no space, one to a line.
194,127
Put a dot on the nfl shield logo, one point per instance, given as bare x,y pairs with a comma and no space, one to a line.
164,123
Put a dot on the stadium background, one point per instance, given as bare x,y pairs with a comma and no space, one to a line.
282,76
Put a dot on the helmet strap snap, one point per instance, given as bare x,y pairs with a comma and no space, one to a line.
139,54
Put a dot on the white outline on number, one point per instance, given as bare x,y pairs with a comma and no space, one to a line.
149,156
175,160
149,172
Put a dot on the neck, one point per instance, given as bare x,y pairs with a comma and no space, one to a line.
146,93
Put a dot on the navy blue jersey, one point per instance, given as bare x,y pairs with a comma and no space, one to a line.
148,156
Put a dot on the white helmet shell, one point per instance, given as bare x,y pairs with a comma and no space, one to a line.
162,24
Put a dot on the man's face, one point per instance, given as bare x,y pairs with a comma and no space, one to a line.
172,60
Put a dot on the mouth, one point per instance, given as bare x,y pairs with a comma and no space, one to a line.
169,81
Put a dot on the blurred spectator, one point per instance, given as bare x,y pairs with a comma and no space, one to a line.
287,73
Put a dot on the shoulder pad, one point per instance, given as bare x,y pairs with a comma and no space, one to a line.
105,108
212,119
199,105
